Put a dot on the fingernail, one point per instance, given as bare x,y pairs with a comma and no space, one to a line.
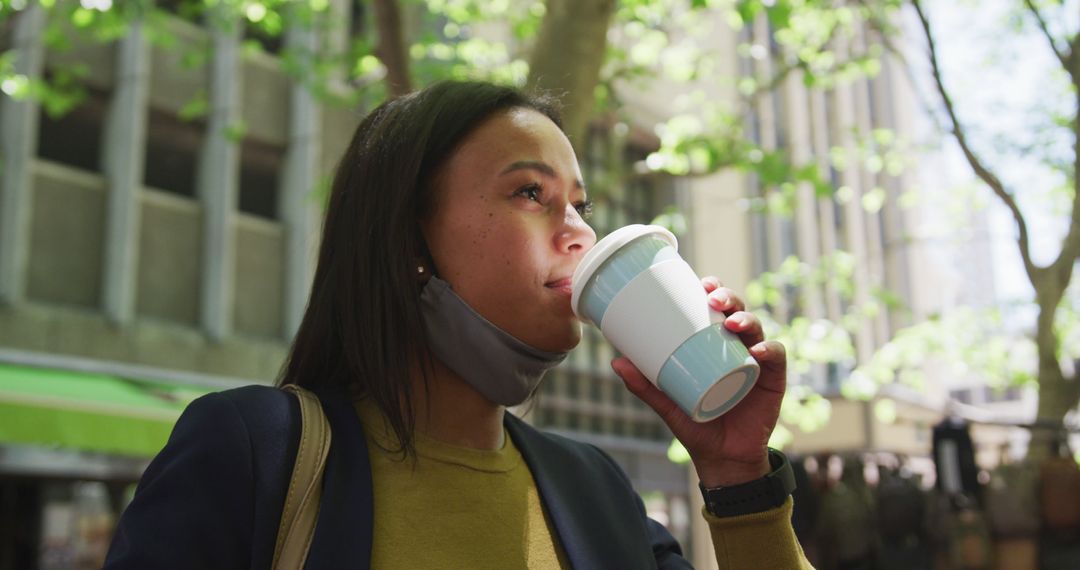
758,349
738,320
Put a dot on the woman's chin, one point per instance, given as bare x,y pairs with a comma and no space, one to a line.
573,337
562,341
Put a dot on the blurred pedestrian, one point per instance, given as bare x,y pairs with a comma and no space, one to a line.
848,523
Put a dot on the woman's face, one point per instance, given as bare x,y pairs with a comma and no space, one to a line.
507,230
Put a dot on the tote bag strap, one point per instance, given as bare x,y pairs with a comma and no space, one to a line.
305,488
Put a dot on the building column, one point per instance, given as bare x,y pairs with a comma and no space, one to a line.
18,145
218,183
892,93
300,174
875,246
807,226
800,148
338,34
767,121
124,157
854,214
819,125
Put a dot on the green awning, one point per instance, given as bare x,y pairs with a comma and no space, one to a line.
88,412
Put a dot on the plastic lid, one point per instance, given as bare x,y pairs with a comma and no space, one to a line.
607,246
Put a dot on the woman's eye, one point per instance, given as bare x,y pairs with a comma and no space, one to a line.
584,209
531,192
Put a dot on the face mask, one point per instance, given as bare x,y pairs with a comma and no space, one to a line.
501,367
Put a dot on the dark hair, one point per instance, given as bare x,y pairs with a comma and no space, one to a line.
362,328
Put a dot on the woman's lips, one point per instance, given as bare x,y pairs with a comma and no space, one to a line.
564,286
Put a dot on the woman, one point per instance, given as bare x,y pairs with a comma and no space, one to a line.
440,298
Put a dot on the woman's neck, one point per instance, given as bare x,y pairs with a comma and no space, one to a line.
454,412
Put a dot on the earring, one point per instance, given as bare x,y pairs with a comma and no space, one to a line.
419,269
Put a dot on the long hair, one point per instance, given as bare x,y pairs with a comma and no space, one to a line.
362,329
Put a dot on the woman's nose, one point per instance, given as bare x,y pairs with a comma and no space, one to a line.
575,236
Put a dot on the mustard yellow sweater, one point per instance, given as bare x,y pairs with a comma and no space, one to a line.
480,509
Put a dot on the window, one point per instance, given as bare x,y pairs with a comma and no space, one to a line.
75,138
1010,394
172,153
187,9
260,34
832,378
963,396
260,174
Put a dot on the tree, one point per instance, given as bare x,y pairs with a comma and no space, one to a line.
693,147
1059,393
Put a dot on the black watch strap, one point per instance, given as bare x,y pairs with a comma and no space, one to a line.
756,496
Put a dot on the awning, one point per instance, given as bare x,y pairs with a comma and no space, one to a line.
89,412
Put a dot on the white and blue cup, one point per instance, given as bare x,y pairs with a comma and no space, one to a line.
651,306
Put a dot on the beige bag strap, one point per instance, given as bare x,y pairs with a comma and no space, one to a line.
305,488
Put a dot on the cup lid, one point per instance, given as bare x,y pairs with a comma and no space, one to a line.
605,247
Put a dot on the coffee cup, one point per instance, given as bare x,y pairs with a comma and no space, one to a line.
650,305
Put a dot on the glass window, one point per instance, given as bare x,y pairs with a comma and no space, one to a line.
75,138
260,176
172,153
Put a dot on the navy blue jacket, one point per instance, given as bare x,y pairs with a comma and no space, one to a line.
213,497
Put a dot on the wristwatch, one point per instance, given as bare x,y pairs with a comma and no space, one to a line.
756,496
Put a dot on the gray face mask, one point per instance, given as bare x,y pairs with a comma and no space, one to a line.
501,367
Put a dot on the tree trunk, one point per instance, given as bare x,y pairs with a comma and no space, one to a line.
391,49
1058,394
567,58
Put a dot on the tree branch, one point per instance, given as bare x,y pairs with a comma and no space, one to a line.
567,58
1062,56
973,160
788,67
896,52
391,49
780,76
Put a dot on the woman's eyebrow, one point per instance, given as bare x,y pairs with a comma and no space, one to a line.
541,167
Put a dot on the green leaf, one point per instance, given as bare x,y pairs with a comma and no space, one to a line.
780,438
196,108
677,453
779,14
748,9
873,200
236,130
673,220
885,411
82,17
755,294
